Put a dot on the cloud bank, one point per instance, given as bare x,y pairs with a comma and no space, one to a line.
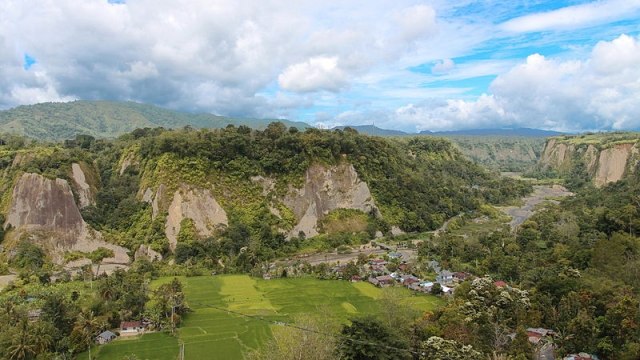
403,64
600,92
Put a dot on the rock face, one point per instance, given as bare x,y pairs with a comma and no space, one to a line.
326,189
612,164
556,154
46,209
145,252
83,189
198,205
608,164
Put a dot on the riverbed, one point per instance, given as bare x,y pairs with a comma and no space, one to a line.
541,193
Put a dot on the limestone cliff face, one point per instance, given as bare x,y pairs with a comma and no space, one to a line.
198,205
46,210
604,163
326,189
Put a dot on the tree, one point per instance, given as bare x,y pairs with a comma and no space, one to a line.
437,348
368,339
23,345
317,342
85,329
98,255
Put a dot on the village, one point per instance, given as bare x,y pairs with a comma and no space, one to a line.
384,266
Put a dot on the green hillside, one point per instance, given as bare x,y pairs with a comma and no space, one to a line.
108,119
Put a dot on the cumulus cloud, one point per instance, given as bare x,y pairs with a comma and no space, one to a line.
575,16
317,73
600,92
218,56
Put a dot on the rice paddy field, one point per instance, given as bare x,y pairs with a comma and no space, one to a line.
234,314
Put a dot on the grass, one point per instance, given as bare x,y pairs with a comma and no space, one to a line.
156,346
217,328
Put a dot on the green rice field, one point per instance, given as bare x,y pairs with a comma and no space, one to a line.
234,314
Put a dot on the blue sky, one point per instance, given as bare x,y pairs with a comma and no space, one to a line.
408,65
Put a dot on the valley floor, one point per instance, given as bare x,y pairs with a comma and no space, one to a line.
234,314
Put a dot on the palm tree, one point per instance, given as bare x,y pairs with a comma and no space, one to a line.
22,343
42,336
86,325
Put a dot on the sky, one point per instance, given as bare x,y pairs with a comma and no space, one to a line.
566,65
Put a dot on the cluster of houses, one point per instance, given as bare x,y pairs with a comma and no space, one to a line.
380,276
127,328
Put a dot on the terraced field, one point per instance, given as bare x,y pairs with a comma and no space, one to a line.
233,314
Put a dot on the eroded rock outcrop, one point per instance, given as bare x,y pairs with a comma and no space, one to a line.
146,252
198,205
556,154
83,189
326,189
612,164
46,210
604,163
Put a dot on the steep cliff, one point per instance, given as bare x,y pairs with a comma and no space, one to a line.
195,204
327,188
606,157
46,210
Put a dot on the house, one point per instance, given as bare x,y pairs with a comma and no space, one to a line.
445,277
447,290
395,255
415,286
460,276
356,278
373,281
377,262
266,276
404,267
131,328
500,284
536,334
408,279
105,337
385,280
427,285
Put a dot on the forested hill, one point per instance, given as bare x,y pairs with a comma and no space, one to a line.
167,190
108,119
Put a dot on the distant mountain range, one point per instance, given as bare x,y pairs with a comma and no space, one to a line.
520,132
109,119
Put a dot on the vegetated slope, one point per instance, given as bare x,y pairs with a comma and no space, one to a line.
499,149
237,194
596,158
107,119
504,153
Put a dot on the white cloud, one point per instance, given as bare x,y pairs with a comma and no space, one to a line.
161,51
575,16
600,92
317,73
416,22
